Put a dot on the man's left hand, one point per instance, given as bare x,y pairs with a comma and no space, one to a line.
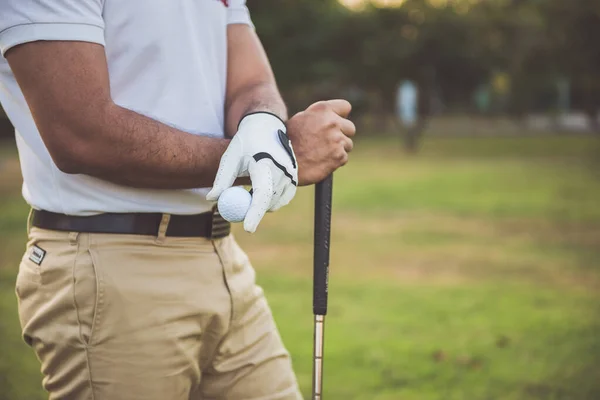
262,150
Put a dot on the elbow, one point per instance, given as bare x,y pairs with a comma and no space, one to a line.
73,154
74,145
69,164
72,160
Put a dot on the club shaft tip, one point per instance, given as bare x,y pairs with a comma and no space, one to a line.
319,335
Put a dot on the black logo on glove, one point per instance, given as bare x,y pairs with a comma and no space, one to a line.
287,145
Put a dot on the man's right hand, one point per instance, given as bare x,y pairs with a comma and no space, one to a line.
321,137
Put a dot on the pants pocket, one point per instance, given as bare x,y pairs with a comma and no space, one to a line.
87,295
28,278
27,286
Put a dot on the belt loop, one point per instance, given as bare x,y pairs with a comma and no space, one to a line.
162,228
73,238
29,220
213,217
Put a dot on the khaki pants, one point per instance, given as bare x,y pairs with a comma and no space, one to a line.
137,317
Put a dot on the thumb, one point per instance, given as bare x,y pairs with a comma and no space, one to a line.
339,106
262,193
228,170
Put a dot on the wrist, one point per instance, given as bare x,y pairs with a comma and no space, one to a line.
265,120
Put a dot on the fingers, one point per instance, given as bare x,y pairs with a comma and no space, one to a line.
348,144
347,127
288,194
341,158
342,109
262,193
228,171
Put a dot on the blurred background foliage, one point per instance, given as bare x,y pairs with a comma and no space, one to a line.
520,49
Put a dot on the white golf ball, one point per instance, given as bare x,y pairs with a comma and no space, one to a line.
234,203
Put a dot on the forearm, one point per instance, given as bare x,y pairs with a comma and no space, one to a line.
133,150
146,153
261,96
251,85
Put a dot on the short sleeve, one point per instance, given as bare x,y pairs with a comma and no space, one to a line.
237,13
23,21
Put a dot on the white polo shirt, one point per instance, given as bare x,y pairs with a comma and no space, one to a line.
167,60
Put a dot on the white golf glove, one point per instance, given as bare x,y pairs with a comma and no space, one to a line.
262,150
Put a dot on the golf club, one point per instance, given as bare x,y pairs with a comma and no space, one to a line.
323,194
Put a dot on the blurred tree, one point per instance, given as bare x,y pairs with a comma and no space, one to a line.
573,28
298,36
320,49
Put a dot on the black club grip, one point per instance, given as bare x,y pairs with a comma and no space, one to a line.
323,195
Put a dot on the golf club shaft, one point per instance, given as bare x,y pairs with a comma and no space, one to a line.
323,196
318,357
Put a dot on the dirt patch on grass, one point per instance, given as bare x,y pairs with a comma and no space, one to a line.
420,248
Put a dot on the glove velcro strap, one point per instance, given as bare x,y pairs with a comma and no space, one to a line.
261,156
261,112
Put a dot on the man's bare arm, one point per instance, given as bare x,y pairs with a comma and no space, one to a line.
251,84
66,86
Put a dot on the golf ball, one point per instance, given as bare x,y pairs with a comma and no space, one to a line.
234,203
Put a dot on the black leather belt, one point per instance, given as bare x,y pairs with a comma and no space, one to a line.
208,225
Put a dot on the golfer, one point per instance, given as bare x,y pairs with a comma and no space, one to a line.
132,286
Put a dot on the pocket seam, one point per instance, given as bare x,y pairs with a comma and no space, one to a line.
99,297
97,301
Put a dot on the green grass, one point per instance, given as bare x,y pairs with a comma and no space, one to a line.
390,341
470,271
